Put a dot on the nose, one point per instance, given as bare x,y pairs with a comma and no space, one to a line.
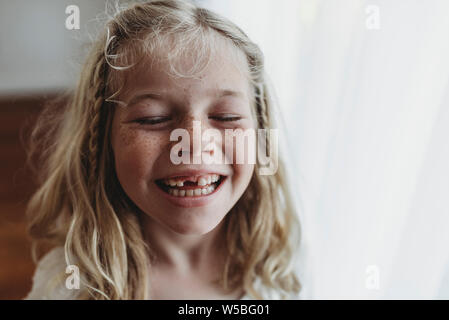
198,147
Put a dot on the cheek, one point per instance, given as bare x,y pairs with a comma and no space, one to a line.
135,153
242,177
242,172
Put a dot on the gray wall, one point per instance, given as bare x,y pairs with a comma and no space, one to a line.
37,52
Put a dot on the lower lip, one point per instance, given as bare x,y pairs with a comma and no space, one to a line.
195,201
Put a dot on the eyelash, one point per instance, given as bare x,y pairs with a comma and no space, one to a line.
157,120
226,119
152,121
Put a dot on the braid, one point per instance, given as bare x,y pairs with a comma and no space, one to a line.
263,118
261,109
98,87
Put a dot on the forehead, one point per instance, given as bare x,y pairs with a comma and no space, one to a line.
190,72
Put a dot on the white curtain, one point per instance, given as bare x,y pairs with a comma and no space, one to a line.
363,88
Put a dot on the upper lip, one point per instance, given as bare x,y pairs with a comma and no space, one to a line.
191,173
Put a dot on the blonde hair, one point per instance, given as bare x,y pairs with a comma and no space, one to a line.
80,203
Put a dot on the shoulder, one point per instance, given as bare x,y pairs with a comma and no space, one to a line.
49,278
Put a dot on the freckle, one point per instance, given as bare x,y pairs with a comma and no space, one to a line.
145,142
127,136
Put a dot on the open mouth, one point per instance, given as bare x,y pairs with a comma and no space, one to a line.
191,186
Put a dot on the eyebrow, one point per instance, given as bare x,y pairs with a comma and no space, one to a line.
147,95
232,93
214,93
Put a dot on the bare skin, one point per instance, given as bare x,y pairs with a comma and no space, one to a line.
186,268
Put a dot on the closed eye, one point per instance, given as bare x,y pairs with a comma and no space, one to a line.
152,120
225,118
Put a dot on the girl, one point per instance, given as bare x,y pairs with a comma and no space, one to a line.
113,206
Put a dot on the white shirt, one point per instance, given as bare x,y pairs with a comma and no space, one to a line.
53,264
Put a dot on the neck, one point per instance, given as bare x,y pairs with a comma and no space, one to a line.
183,253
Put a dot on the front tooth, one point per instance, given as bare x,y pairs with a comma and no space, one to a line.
204,191
175,192
214,178
202,182
189,193
182,193
180,184
197,192
209,179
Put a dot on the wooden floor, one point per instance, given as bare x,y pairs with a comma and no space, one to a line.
16,186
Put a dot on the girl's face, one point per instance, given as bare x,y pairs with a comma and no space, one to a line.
186,198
